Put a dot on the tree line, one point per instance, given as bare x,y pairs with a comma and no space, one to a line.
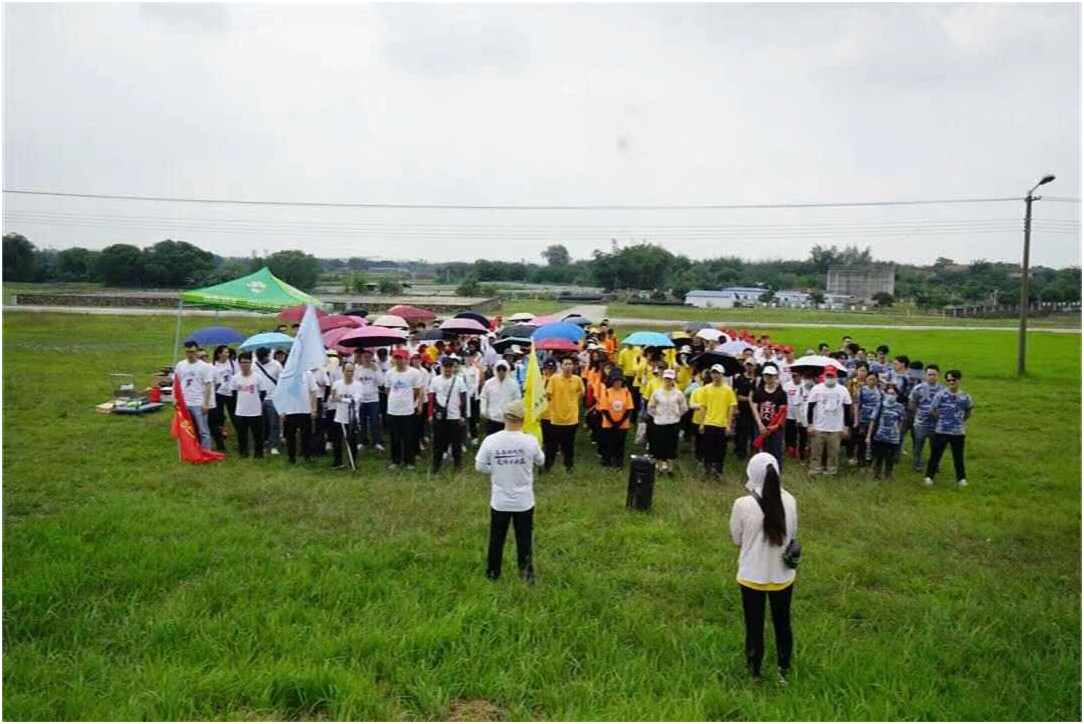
644,266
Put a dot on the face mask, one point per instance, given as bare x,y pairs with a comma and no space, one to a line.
830,382
890,400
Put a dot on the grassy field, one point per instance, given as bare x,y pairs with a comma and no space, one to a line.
136,587
534,306
813,316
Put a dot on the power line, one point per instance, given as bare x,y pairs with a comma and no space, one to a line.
504,207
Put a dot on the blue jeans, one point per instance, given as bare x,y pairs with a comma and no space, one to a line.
369,422
271,424
919,435
199,419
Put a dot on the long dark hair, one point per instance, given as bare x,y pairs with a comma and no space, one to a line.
775,518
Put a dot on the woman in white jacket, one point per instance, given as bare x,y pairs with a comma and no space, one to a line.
763,524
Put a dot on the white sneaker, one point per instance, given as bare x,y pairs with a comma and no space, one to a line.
274,451
328,447
962,483
393,466
928,482
379,447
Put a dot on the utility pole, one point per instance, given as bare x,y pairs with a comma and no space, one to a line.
1021,346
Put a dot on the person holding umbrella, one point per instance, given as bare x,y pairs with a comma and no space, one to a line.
827,409
720,406
667,406
270,369
368,373
224,370
345,394
406,396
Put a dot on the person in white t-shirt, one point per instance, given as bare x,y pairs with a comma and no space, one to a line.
300,423
272,425
792,386
371,377
447,410
224,369
827,408
473,377
406,392
345,394
197,387
249,389
509,458
497,392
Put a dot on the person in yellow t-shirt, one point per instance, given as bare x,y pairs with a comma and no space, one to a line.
563,393
720,406
694,392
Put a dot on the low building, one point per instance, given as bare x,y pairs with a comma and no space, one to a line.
791,298
837,301
725,298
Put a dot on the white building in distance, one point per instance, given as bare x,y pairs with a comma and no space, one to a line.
724,298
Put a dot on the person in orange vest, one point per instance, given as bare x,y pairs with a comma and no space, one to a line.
615,409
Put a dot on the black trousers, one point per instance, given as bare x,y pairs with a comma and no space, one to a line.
858,434
244,426
752,603
216,418
790,433
338,434
498,531
493,426
419,431
472,421
447,433
884,457
563,438
401,434
803,442
665,444
713,447
937,448
635,391
746,430
612,444
298,423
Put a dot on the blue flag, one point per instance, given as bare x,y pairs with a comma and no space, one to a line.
291,397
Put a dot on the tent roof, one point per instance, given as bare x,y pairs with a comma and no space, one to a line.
261,291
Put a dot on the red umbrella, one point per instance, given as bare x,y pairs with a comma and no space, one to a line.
463,326
294,314
539,321
332,337
411,314
335,321
557,345
372,337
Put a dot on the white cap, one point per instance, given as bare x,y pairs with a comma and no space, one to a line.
718,368
501,365
515,349
770,370
669,374
686,349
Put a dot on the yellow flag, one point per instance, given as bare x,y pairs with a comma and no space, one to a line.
534,397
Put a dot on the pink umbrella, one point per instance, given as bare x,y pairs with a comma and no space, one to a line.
336,321
463,325
557,345
294,314
411,314
539,321
372,336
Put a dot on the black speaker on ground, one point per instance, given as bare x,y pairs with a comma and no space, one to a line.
641,483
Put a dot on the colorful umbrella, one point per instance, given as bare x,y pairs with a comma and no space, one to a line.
458,325
271,340
334,321
647,339
212,336
411,314
556,344
331,339
294,314
372,336
390,320
539,321
559,330
680,338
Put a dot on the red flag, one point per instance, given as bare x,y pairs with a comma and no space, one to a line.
773,425
185,431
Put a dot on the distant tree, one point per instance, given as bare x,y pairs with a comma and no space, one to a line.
883,299
766,297
358,280
177,264
817,297
943,262
469,287
121,265
643,266
556,255
295,268
226,271
19,262
389,286
76,265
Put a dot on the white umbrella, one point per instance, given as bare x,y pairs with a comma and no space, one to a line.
521,317
712,335
816,363
390,320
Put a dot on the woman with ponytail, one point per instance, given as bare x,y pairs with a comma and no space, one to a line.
762,524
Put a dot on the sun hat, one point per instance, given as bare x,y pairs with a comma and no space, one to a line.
770,370
515,410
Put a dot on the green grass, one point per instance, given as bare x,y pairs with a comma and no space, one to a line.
813,316
136,587
537,307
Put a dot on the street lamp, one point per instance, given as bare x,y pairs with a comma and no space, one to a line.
1021,348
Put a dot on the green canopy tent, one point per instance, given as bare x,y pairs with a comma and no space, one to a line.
260,291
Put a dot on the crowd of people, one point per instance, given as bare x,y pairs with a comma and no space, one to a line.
451,395
442,398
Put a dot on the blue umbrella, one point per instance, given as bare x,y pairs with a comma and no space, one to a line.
271,340
648,339
213,336
559,330
578,320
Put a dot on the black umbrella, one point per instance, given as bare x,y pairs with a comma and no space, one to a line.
356,313
432,335
518,330
475,316
505,342
732,365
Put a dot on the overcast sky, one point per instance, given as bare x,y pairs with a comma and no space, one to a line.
545,105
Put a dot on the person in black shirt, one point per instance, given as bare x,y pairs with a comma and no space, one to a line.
746,427
766,400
